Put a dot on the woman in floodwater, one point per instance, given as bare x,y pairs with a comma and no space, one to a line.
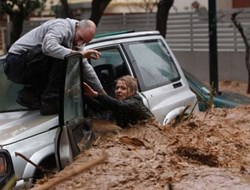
127,108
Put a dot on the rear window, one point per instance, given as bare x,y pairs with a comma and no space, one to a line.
152,63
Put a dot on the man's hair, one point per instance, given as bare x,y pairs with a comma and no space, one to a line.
130,82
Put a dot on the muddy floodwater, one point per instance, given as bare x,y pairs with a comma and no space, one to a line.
210,150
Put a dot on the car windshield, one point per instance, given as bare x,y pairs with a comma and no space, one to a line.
152,62
195,84
8,92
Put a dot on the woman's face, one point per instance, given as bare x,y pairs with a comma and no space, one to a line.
121,90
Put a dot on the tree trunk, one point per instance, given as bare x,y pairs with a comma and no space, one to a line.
66,11
246,42
17,20
248,84
97,10
162,16
248,68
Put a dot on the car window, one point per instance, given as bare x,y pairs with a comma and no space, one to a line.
152,62
109,67
73,103
108,56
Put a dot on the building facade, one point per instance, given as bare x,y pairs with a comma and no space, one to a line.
82,9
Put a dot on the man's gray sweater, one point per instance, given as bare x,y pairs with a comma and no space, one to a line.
56,37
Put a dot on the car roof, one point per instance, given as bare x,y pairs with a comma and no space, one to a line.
121,35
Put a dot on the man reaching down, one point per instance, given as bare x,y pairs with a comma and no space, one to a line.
35,60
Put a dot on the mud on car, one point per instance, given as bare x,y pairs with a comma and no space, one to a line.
54,140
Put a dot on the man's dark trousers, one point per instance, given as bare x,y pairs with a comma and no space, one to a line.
35,71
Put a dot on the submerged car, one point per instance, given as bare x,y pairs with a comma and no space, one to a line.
147,57
47,141
55,139
222,99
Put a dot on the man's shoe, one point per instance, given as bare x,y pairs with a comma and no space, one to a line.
28,98
49,107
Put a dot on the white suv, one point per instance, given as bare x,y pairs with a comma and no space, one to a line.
54,140
147,57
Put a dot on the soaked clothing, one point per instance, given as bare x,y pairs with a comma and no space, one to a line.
55,37
36,58
124,112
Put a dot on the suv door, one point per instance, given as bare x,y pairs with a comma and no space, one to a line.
159,75
75,130
110,66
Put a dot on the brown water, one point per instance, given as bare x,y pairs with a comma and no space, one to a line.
208,151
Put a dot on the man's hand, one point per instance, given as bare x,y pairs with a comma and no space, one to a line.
90,54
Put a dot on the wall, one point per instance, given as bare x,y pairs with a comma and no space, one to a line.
231,66
187,35
188,38
223,4
241,3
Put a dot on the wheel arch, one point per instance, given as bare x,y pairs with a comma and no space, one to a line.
173,114
39,158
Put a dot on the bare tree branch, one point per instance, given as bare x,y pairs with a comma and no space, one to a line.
162,16
238,25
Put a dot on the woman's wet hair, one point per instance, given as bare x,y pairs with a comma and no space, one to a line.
130,82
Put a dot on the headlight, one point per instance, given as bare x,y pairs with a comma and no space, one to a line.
6,167
3,167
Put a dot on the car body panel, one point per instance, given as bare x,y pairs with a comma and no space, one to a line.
31,148
17,126
162,105
39,156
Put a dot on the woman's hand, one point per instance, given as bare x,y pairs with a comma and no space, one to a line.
91,54
89,91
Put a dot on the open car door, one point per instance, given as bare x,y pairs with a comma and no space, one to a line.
75,132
